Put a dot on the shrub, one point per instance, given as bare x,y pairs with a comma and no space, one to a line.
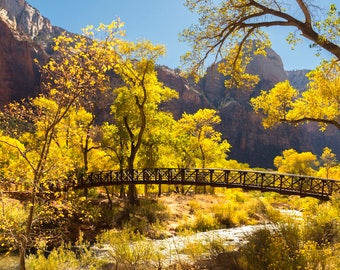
194,206
141,217
130,250
194,249
64,257
60,258
201,223
218,246
256,208
314,257
266,250
223,213
153,210
285,247
12,222
205,222
234,213
324,226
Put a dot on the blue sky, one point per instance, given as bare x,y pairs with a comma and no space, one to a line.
157,20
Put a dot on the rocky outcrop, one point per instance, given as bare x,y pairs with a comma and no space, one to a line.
298,78
19,76
27,21
191,98
269,68
25,36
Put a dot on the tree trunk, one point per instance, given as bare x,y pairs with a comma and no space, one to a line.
122,192
108,196
25,237
132,191
132,194
22,255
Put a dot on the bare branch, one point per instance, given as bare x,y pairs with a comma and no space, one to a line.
318,120
22,154
305,11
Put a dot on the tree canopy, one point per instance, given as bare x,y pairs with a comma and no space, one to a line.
202,145
319,103
226,28
233,31
298,163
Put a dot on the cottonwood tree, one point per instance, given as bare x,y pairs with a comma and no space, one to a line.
43,162
291,161
156,146
137,100
330,166
234,30
116,146
195,142
76,71
23,154
78,134
203,145
157,140
206,146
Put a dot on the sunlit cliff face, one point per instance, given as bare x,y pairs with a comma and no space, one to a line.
24,18
19,25
25,35
18,73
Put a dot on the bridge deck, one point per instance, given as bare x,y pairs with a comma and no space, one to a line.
290,184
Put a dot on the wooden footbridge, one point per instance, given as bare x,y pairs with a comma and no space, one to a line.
265,181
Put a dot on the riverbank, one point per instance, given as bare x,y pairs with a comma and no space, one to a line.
179,232
9,262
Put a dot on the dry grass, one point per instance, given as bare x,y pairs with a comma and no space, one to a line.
200,212
183,209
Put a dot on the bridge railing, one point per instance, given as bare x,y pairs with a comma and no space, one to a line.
229,178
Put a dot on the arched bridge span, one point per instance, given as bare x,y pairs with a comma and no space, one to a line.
290,184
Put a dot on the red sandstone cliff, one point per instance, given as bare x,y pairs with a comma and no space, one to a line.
18,74
25,35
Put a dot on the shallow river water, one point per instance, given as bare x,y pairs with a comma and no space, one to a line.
170,247
175,249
